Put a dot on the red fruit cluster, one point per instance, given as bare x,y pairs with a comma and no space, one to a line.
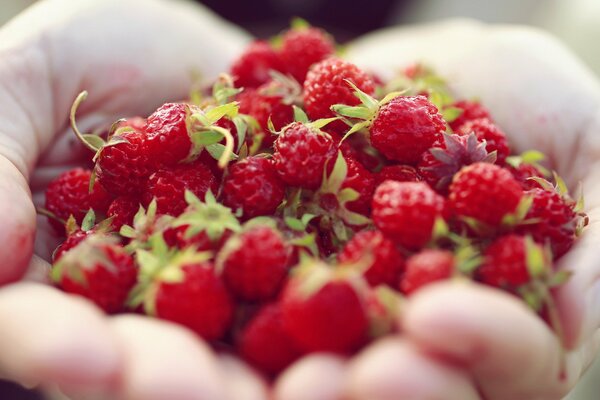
290,211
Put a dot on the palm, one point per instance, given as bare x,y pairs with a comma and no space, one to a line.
555,110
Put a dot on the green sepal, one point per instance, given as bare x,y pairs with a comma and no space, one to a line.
451,113
88,220
358,112
300,115
294,224
127,232
299,23
536,261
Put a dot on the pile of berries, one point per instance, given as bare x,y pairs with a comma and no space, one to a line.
291,207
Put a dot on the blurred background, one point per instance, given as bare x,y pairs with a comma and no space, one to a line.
576,22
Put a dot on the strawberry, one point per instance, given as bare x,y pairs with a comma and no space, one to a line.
301,152
439,164
167,132
265,343
304,46
70,242
255,263
484,192
406,212
69,194
323,311
399,173
252,68
122,210
253,186
526,166
427,266
168,186
494,137
326,85
97,268
384,262
183,287
505,263
470,110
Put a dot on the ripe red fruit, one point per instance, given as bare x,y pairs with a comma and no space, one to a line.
70,242
255,263
123,168
326,85
385,262
252,68
99,269
304,47
265,343
427,266
300,155
69,194
470,110
357,178
168,186
167,133
122,210
399,173
197,300
268,101
253,186
505,263
523,172
324,314
495,138
406,212
406,127
556,221
485,192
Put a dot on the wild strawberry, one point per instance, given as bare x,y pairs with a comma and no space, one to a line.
167,132
398,173
70,242
384,262
255,263
122,210
272,100
505,263
252,185
527,165
69,194
252,68
97,268
486,130
168,186
303,47
183,287
265,343
406,212
484,192
471,110
301,152
326,85
439,164
427,266
324,312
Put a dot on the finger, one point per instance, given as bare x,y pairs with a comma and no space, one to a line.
509,350
315,377
166,361
243,383
48,336
394,369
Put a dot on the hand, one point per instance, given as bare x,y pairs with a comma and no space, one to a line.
463,341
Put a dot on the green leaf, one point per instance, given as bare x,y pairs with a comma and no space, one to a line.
358,112
88,221
320,123
94,141
355,128
295,224
230,110
300,115
217,150
368,101
338,175
391,96
206,137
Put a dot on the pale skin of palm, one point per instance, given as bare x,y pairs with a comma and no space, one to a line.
459,341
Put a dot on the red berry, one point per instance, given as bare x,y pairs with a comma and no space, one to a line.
523,172
556,222
486,130
267,102
326,85
505,263
70,242
300,155
265,343
69,194
253,186
304,47
168,186
406,212
359,179
399,173
199,301
123,168
253,66
406,127
427,266
167,133
385,262
122,210
255,263
99,269
470,110
485,192
324,316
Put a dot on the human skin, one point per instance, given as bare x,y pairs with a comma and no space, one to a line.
459,341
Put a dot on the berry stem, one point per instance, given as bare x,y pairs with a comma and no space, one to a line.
80,99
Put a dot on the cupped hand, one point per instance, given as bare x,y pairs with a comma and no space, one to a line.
458,342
